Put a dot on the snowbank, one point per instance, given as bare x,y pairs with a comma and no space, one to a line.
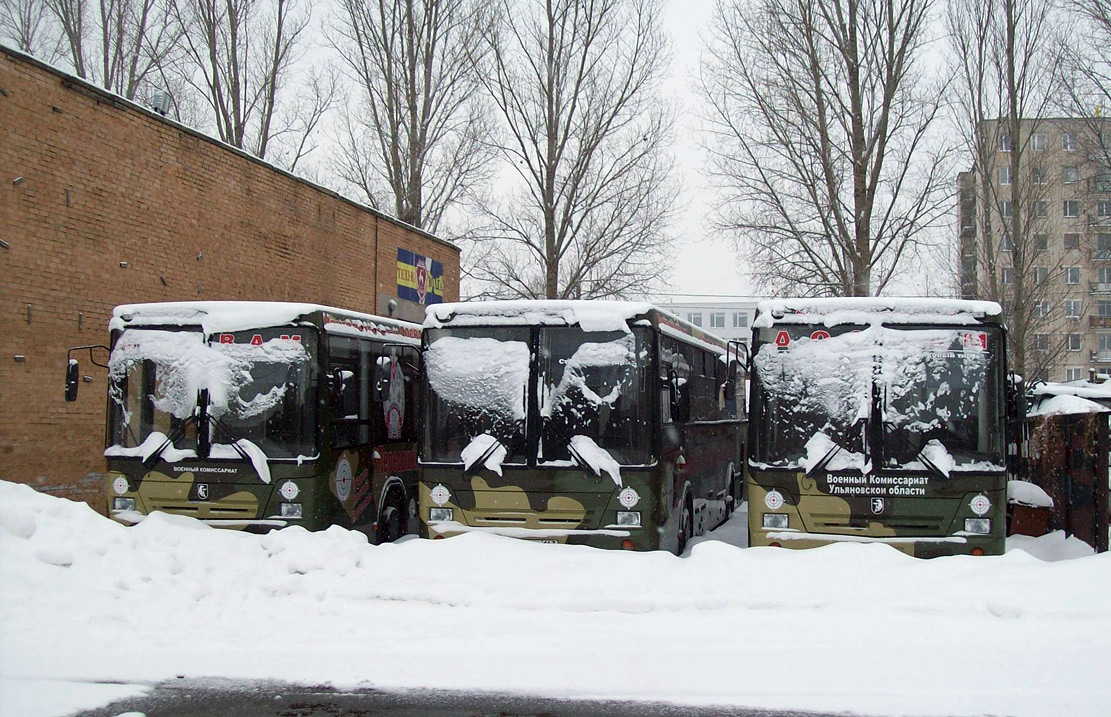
876,632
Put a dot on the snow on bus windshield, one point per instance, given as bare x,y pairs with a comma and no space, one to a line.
477,386
155,378
935,389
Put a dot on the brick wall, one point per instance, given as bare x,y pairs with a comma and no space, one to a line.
103,203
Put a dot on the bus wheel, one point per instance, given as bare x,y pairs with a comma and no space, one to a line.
389,525
686,529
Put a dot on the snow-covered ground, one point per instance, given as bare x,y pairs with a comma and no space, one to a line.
853,627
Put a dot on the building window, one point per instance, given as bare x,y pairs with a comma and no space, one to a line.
1104,275
1041,208
1005,209
1072,241
1038,141
1005,244
1103,242
1039,175
1103,308
717,320
1103,209
1005,142
1041,242
1068,141
1072,342
1072,309
1072,274
1072,373
1071,208
1041,342
695,317
1105,344
1005,174
740,319
1041,309
1041,273
1071,175
1007,275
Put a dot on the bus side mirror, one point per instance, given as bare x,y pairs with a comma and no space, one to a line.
72,380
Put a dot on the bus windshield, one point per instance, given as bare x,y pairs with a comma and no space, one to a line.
261,385
477,384
594,385
936,392
593,393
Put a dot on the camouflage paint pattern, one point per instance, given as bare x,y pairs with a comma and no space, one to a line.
554,505
927,525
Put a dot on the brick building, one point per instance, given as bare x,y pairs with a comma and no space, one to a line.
103,202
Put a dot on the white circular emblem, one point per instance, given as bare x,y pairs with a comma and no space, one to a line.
980,504
774,500
628,497
440,494
119,485
289,490
342,480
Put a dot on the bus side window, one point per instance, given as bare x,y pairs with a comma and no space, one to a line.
345,388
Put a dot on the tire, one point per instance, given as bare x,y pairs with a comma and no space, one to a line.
389,524
686,529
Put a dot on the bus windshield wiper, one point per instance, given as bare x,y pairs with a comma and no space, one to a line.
824,461
919,455
175,435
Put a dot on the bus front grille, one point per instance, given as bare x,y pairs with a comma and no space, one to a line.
917,524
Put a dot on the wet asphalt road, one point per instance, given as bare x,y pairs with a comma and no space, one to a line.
217,698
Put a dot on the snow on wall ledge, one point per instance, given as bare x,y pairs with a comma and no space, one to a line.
872,310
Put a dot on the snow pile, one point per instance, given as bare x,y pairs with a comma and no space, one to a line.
878,632
819,446
1056,405
1026,493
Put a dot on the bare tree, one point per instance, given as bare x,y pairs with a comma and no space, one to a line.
28,25
584,142
1006,64
418,132
119,44
819,132
238,56
1085,82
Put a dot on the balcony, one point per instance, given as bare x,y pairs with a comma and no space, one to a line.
1099,287
1100,184
1099,356
1099,255
1099,322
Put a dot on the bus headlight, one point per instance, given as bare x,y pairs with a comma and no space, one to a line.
439,515
291,510
123,504
628,518
980,526
775,521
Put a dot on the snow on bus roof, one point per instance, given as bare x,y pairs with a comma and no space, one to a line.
873,310
589,315
230,316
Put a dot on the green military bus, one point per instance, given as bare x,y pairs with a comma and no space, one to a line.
880,420
602,423
258,415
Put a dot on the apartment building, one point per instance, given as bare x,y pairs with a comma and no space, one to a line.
1038,239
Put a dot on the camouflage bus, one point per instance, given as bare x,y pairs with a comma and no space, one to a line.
880,420
610,424
257,415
